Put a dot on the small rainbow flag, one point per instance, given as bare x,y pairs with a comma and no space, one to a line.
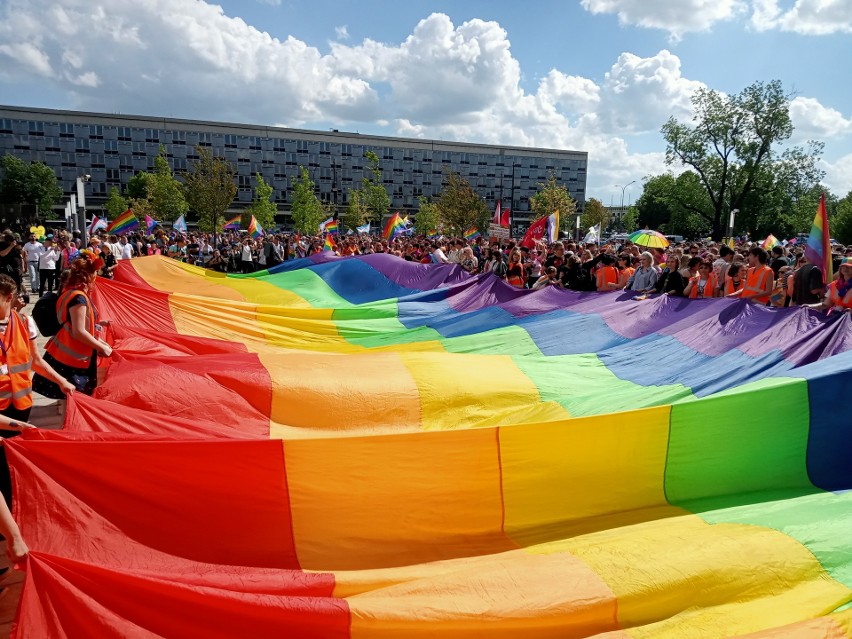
124,223
770,242
393,226
818,249
472,233
329,244
233,224
331,227
254,229
431,235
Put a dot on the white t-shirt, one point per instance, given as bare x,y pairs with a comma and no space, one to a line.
33,250
439,256
49,258
30,322
126,251
245,255
115,249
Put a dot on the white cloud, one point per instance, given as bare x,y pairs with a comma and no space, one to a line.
342,32
838,175
27,57
639,94
443,81
677,17
808,17
812,120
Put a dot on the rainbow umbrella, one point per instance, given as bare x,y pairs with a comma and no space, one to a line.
651,239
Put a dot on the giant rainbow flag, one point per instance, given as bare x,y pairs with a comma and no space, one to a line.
368,447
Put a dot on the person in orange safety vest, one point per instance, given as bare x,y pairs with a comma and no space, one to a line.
759,280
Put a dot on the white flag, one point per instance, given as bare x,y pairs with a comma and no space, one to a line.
593,236
322,225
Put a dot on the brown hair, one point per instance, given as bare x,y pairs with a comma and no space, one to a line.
81,273
7,285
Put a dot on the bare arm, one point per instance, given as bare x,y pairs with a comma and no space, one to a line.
46,370
80,333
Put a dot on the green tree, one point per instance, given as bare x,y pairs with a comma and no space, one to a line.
34,183
261,206
459,206
552,197
733,144
668,204
209,188
630,220
372,195
141,207
427,218
306,209
356,212
165,193
115,204
137,186
594,213
841,224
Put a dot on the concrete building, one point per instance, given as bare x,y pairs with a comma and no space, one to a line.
111,148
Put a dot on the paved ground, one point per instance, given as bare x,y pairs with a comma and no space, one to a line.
45,414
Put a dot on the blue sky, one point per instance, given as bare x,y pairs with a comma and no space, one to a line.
594,75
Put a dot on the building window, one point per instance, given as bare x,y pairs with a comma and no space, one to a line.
152,135
124,133
36,128
66,130
82,145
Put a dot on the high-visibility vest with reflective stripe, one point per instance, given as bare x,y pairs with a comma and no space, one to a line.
709,287
755,282
836,300
607,275
16,386
64,347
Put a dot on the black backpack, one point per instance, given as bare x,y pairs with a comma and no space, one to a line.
44,314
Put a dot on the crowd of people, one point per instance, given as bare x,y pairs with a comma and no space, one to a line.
780,277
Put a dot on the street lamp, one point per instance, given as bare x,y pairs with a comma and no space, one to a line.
81,207
731,223
623,188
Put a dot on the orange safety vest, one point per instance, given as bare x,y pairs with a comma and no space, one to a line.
16,387
709,287
836,300
755,281
64,347
607,275
729,286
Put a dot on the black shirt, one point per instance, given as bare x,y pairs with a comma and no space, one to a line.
670,281
806,279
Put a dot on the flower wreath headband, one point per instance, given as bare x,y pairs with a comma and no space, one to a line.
96,260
